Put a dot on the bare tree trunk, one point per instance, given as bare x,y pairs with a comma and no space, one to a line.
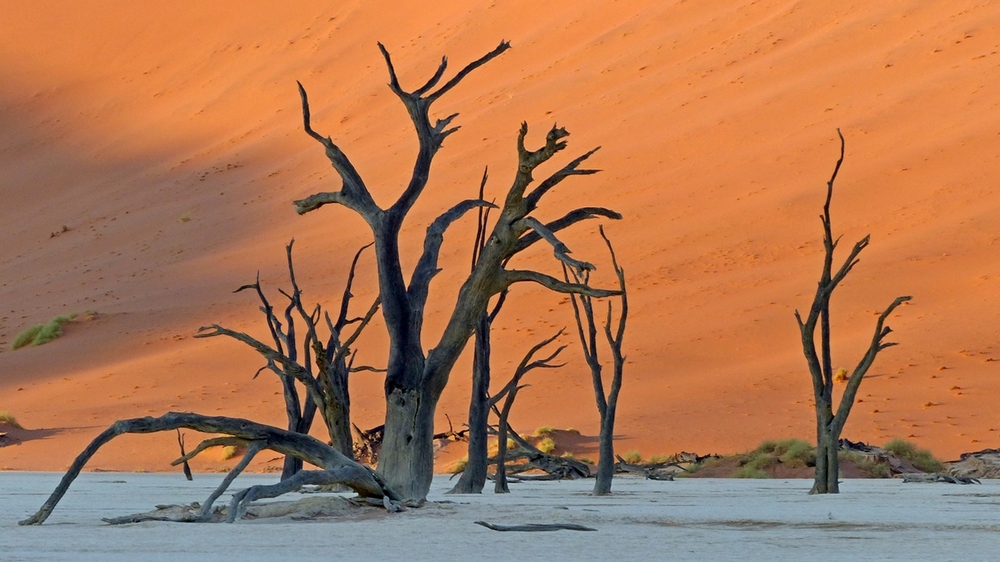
829,425
407,456
473,478
607,406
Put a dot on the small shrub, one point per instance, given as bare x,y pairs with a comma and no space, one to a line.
758,462
9,419
41,333
544,430
766,447
749,471
657,459
632,457
568,455
230,451
796,453
546,445
459,465
921,458
840,375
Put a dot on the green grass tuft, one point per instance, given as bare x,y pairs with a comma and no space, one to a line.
789,452
459,465
9,419
41,333
546,445
796,453
748,471
632,457
921,458
230,451
544,430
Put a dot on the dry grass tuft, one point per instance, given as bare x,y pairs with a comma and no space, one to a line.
7,418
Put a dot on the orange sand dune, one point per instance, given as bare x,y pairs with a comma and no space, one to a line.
149,155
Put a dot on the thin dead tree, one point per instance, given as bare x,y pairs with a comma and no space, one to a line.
508,393
300,355
829,425
607,403
473,478
415,378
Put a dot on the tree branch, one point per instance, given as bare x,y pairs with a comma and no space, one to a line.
520,275
353,194
531,200
560,250
567,220
426,267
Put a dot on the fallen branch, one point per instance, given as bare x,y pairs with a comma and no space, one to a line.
534,527
337,467
938,477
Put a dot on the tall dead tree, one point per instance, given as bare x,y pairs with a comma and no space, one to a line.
415,379
473,478
829,425
607,403
300,354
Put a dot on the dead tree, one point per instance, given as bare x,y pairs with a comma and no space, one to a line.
508,393
473,478
336,468
415,379
607,404
829,425
299,354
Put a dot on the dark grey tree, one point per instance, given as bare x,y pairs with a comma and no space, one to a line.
829,425
614,334
299,354
415,378
473,478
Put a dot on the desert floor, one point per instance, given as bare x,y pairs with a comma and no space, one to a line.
643,520
150,154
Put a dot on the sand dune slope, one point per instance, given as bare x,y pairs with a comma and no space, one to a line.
149,155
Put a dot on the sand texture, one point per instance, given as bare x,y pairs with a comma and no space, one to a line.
643,520
150,152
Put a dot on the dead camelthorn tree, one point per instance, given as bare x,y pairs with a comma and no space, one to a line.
829,425
416,378
473,478
299,354
607,403
508,393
